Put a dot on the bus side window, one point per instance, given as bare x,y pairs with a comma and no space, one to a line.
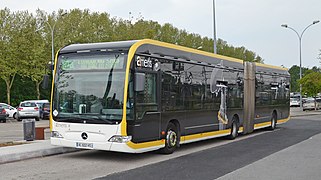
146,100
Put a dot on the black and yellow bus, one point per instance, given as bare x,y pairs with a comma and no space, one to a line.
143,95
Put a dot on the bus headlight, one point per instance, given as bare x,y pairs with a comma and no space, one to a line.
120,139
56,134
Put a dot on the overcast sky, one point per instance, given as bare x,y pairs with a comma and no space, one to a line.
255,24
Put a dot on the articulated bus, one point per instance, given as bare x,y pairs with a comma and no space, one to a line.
143,95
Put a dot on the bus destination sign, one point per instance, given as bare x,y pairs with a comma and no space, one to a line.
91,64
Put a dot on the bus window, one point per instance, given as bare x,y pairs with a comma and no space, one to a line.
146,100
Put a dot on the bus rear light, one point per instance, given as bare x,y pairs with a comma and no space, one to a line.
120,139
56,134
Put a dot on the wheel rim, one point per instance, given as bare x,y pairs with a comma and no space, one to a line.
234,130
273,123
171,138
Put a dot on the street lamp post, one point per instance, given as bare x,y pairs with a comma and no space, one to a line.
52,29
214,28
300,50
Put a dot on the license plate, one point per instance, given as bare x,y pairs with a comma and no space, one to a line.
84,145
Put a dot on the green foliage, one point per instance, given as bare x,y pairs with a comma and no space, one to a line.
295,76
311,83
25,44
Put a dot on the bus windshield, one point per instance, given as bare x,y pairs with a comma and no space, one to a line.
89,88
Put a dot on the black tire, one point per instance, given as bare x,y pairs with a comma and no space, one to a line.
14,116
171,139
234,129
18,119
273,122
37,118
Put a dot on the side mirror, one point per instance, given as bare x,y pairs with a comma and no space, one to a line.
45,81
139,82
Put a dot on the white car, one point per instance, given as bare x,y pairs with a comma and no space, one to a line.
11,111
294,102
28,110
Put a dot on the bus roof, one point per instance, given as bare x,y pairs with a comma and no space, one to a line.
119,45
166,49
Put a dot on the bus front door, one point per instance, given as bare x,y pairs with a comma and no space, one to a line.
147,120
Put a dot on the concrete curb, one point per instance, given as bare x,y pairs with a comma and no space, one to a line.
33,150
305,114
299,115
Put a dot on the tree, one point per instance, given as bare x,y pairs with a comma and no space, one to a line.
39,51
311,84
295,77
12,53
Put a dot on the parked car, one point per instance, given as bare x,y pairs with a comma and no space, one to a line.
294,102
28,110
11,111
310,104
45,110
39,103
3,115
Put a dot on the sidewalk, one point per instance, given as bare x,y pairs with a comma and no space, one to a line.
41,148
296,112
300,161
31,149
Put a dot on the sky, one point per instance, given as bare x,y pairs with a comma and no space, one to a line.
254,24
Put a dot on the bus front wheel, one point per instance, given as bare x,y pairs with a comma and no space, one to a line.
171,139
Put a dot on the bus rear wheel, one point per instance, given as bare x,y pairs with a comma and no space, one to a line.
273,122
171,139
234,129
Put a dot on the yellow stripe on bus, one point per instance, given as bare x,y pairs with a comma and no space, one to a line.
206,134
146,144
271,66
52,88
262,124
183,138
281,121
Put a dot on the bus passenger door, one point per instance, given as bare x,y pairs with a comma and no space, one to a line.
147,116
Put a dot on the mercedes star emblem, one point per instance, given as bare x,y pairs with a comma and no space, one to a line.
84,136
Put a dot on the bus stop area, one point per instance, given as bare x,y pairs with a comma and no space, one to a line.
41,148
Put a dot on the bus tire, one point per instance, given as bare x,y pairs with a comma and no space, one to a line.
171,139
234,129
273,122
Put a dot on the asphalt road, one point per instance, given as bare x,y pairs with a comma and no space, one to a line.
216,162
209,159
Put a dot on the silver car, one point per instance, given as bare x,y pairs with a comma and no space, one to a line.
310,104
27,110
